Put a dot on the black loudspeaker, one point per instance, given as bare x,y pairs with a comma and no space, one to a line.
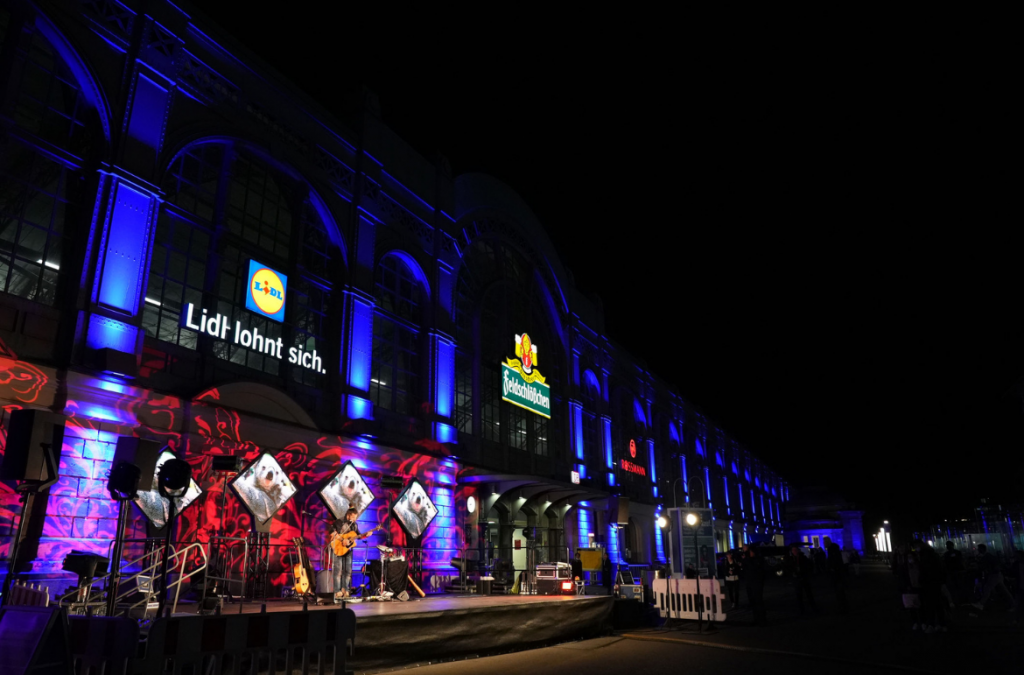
618,510
27,430
141,453
403,596
227,463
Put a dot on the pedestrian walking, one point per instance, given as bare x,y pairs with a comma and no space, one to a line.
799,570
753,567
732,580
992,578
837,573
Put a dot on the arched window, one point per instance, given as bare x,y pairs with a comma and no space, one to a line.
49,142
591,422
266,215
395,379
499,296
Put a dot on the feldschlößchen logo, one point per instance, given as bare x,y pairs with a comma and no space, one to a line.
266,291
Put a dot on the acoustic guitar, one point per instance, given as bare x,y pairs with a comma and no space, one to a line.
343,543
302,572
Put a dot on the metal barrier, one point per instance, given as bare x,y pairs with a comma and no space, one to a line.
279,642
151,564
27,596
677,598
103,645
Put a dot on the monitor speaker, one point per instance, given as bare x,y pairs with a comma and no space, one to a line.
27,431
618,510
143,454
403,596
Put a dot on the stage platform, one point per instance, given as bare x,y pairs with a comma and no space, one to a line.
393,634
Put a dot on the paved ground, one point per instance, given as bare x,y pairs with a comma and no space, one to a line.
876,637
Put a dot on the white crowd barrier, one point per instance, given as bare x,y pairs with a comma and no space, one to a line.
677,598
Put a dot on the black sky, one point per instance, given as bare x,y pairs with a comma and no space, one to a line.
810,237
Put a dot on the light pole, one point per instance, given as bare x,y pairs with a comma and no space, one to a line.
693,520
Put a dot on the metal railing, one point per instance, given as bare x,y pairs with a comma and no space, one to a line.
88,598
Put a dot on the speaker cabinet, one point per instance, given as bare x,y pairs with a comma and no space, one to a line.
27,430
143,454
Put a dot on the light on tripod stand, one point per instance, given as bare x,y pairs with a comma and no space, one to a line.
123,482
175,475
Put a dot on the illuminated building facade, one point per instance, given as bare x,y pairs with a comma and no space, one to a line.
150,173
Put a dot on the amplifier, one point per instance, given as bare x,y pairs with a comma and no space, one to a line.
555,587
631,592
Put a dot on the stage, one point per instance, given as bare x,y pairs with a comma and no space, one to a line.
392,634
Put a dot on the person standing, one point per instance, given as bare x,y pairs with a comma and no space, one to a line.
343,563
954,562
992,578
837,572
753,567
820,560
799,569
1017,571
732,580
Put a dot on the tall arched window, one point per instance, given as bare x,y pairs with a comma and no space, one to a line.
49,140
591,422
500,295
225,207
395,380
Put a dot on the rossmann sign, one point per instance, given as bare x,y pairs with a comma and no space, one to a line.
630,466
265,296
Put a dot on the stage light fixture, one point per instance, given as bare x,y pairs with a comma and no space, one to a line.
123,482
175,475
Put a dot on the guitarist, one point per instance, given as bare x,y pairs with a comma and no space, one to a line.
343,563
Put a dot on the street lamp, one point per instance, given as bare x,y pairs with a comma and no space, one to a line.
693,520
662,522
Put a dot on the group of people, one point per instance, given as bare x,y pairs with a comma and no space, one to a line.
931,586
747,568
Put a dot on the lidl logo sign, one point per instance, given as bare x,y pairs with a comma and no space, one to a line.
266,291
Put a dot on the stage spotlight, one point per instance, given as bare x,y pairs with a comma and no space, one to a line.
123,482
692,519
662,522
175,475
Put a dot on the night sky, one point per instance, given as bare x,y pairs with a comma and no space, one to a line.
809,237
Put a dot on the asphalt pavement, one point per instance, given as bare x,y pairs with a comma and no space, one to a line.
875,637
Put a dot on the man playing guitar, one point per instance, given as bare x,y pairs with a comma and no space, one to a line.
344,533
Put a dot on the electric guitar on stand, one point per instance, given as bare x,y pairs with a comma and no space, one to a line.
341,544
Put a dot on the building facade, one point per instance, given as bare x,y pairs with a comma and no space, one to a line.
151,170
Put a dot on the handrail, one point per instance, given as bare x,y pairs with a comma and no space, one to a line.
95,598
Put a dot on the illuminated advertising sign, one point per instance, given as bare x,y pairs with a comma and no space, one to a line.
266,291
265,296
631,466
521,382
